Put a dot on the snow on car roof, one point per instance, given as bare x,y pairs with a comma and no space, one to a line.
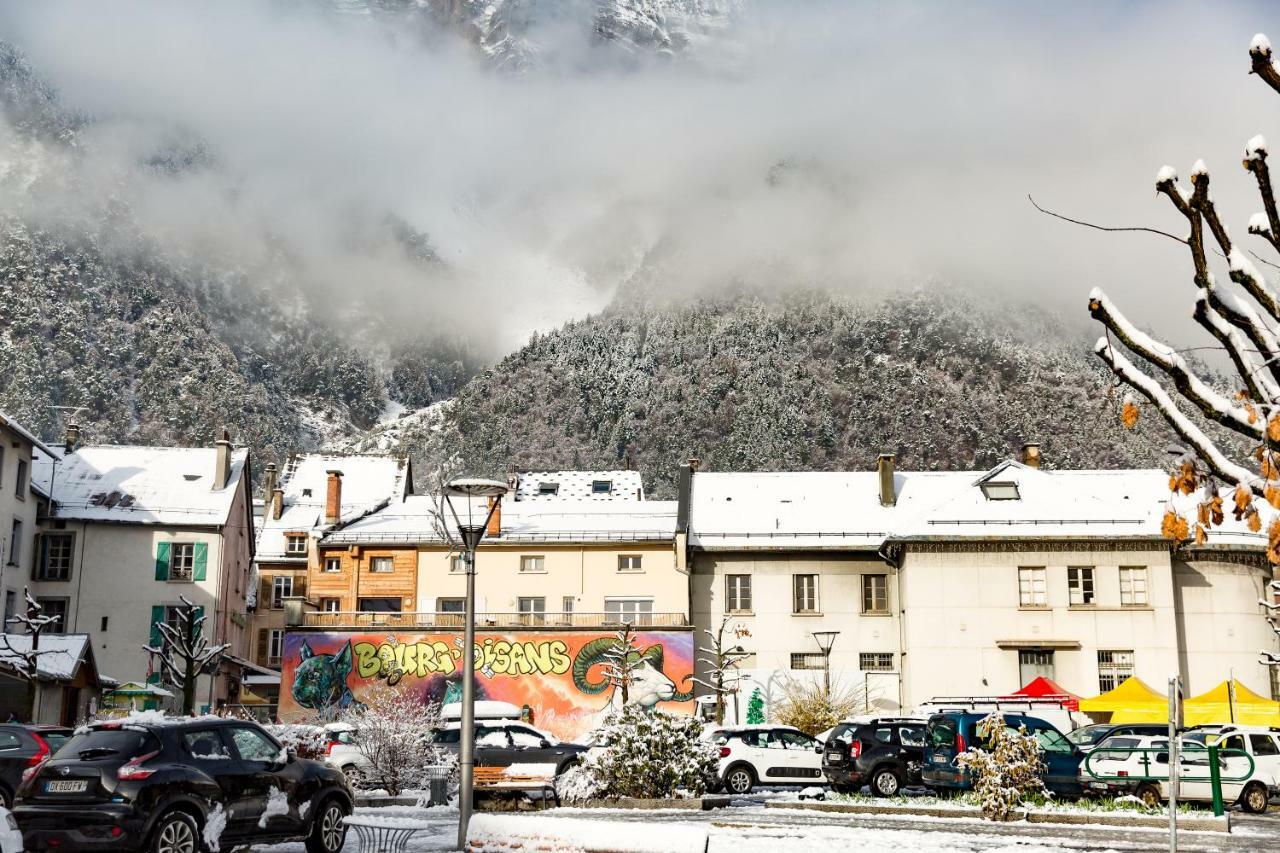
139,485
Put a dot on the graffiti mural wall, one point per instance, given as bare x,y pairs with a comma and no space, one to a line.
558,674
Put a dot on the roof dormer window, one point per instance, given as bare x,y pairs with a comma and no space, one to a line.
548,488
1006,490
306,493
601,487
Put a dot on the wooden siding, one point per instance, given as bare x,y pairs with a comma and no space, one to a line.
356,581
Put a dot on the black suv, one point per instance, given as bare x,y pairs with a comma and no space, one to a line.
163,784
23,747
885,754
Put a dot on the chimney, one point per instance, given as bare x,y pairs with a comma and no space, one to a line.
269,481
1031,454
684,493
333,498
888,491
72,438
495,520
277,502
222,464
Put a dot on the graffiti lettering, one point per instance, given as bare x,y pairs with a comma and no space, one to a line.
393,661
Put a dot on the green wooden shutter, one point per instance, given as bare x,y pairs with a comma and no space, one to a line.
157,616
162,561
202,560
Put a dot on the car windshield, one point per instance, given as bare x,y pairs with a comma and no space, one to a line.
1201,737
101,744
55,739
942,733
1088,735
841,734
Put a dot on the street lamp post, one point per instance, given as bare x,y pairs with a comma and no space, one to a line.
825,640
470,531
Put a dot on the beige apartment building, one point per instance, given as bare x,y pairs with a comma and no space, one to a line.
565,548
19,497
972,583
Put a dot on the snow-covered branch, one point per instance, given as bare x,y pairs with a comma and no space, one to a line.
184,653
1263,65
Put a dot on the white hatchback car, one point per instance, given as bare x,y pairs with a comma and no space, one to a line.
766,755
341,752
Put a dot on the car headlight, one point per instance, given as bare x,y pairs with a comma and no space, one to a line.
13,824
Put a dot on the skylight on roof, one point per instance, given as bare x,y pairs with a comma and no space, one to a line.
1001,491
548,488
601,487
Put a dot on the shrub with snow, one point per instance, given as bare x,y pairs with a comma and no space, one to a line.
646,754
306,741
393,731
810,708
1006,770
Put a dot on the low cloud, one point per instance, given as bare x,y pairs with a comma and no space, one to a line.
847,145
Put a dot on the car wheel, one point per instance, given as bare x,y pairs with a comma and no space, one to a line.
739,780
328,832
885,782
354,775
1149,794
175,832
1254,798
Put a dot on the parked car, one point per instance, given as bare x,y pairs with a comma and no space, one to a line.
1087,737
23,747
340,751
1195,782
10,836
884,754
129,785
950,734
502,743
766,755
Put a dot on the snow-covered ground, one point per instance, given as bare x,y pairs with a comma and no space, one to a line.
750,828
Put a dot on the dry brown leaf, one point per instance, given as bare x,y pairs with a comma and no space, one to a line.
1201,536
1184,479
1173,526
1272,494
1216,514
1273,427
1273,542
1253,412
1129,414
1254,521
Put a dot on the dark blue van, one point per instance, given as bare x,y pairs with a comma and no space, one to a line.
949,734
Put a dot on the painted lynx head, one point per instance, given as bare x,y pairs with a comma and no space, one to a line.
320,681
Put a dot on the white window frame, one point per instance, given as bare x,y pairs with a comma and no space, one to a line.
335,562
382,560
455,599
1134,594
60,626
734,587
331,605
628,608
291,541
1033,589
1082,591
275,646
182,561
1114,666
875,661
631,562
808,661
805,600
65,539
20,480
533,564
281,587
15,543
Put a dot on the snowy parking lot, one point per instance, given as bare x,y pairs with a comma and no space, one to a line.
748,827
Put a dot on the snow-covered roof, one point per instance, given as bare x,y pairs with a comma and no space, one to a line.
368,482
58,657
6,420
842,510
579,485
138,485
411,521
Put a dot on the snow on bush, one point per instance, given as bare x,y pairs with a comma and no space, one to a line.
393,731
807,705
306,741
1006,770
645,754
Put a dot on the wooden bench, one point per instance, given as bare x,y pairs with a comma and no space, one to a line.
523,779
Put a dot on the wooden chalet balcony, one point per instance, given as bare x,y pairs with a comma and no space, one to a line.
454,621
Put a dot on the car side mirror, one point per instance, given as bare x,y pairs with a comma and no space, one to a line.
544,743
290,755
1162,758
818,749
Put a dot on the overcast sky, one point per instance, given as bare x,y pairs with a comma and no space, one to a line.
849,145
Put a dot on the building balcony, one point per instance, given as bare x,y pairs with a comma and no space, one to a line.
364,619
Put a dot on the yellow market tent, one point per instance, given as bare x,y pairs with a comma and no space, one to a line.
1132,702
1218,706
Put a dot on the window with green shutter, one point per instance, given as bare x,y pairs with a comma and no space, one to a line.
157,616
201,561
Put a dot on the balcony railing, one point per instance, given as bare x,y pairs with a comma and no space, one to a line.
454,621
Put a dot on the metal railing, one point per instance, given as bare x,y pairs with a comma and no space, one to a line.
454,621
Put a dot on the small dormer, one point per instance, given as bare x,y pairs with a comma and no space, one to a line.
601,487
1000,490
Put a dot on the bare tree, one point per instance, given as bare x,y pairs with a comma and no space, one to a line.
722,660
392,729
622,660
24,658
184,654
1215,476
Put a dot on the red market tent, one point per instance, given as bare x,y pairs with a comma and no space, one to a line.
1043,688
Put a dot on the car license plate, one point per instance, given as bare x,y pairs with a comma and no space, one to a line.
68,786
1099,786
